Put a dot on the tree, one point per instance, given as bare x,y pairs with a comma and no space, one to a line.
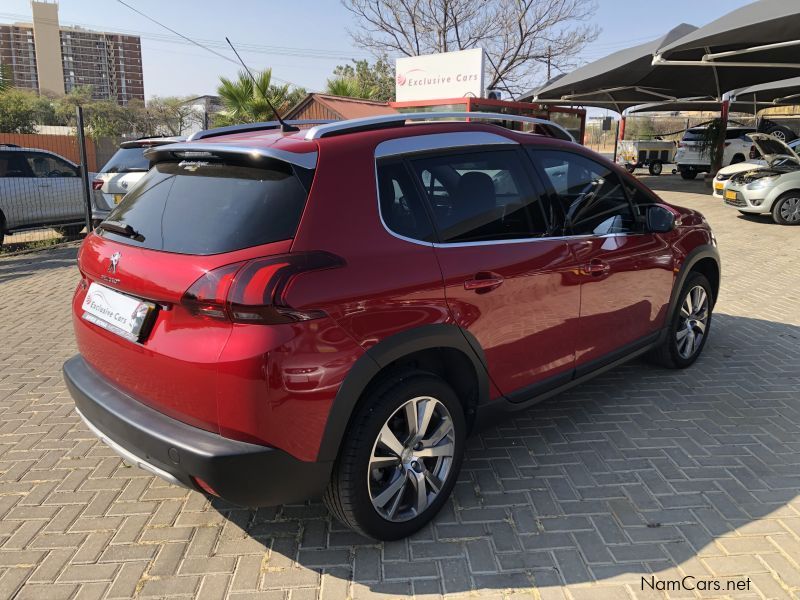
18,111
172,116
518,36
373,82
246,102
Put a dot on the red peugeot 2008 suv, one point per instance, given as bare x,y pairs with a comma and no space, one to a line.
273,315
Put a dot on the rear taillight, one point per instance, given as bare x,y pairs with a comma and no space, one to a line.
97,184
254,291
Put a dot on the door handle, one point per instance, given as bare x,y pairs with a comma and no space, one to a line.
597,268
484,282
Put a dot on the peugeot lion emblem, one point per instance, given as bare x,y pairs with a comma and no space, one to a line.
113,261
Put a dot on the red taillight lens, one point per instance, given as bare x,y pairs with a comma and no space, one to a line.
254,291
97,184
207,296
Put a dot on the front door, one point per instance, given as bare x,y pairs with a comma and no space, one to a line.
626,272
508,283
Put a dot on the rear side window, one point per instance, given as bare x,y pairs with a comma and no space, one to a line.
126,160
480,196
208,208
401,208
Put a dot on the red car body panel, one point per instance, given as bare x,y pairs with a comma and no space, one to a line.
275,385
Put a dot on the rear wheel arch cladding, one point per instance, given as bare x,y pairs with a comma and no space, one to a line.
379,359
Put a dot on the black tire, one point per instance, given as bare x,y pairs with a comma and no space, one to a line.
688,174
348,495
69,230
668,353
655,168
786,210
2,229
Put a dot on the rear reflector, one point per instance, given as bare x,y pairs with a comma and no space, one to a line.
204,486
254,291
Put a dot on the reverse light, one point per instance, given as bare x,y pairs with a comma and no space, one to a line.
254,291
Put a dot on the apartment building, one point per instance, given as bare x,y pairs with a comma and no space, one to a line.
50,59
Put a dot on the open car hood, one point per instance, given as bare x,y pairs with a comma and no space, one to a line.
772,149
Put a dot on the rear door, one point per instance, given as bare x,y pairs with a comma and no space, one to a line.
626,273
507,281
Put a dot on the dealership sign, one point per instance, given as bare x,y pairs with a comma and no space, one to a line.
436,76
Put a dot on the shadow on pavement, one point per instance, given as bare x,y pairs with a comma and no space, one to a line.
639,471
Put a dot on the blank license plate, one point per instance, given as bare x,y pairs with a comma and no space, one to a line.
730,195
118,198
118,313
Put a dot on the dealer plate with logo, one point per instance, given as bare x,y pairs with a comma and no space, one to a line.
118,313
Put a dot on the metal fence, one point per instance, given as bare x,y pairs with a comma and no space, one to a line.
45,184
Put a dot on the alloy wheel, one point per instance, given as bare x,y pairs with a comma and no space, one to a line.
790,210
693,322
411,459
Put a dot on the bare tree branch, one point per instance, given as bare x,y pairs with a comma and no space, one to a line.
520,36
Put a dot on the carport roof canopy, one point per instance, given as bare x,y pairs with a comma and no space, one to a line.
764,38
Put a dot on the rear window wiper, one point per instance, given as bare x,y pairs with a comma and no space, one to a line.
120,229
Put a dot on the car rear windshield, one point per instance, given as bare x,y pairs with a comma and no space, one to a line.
208,208
126,160
697,135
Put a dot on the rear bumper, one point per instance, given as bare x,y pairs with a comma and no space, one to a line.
242,473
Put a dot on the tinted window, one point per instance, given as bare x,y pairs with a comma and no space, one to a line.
207,208
480,196
45,165
401,207
126,160
13,164
591,196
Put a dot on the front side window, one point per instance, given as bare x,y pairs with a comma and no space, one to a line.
480,196
591,196
44,165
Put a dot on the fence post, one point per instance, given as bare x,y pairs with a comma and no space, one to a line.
87,190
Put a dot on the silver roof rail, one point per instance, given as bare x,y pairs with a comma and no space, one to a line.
398,120
245,127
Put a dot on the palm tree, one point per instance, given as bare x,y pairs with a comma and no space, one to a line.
351,87
246,101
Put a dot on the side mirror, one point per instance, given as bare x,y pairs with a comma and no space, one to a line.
660,219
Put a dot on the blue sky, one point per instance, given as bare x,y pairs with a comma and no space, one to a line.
303,40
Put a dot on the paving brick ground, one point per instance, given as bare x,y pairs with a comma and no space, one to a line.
640,473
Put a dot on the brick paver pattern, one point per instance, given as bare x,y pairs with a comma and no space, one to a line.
641,472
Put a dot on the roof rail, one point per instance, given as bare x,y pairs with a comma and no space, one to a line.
398,120
245,127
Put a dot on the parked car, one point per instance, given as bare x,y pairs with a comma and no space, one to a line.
272,316
768,190
39,188
123,170
755,161
692,156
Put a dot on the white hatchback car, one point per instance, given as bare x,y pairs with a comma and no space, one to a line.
693,158
773,189
122,172
725,173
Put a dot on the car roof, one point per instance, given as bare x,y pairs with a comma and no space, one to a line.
15,148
